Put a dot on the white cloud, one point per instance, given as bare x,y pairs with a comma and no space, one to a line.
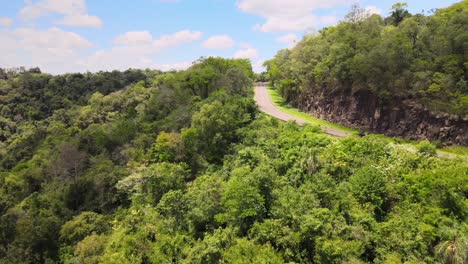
258,67
118,58
33,10
247,53
291,15
54,49
81,21
134,38
122,58
284,24
219,42
373,10
74,11
175,66
5,21
51,39
145,39
289,39
184,36
136,49
57,51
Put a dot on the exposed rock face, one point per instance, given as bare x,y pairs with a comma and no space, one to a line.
404,118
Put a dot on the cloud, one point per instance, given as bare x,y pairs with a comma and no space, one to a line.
291,15
118,58
136,49
283,24
37,9
258,67
247,53
53,38
57,51
219,42
134,38
6,21
53,49
289,39
122,58
81,21
74,11
373,10
184,36
174,66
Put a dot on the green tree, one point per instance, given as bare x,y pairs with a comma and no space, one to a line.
242,204
245,251
82,226
369,186
453,251
169,147
153,182
204,201
399,12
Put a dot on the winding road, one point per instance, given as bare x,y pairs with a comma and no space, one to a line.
266,105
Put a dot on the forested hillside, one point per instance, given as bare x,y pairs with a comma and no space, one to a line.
180,167
405,74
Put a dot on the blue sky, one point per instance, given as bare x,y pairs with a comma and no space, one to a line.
90,35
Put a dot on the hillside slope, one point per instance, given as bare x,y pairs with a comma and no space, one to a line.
404,75
180,167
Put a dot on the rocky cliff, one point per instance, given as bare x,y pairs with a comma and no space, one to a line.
399,117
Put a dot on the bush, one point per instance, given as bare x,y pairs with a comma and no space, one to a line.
425,148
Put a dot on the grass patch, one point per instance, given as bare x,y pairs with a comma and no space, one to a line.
459,150
284,106
397,140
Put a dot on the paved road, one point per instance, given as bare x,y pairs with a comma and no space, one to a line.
266,105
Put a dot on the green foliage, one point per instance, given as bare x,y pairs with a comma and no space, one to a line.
211,247
153,182
453,251
419,56
82,226
215,126
89,250
368,186
181,168
242,202
245,252
399,13
425,148
204,201
169,147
